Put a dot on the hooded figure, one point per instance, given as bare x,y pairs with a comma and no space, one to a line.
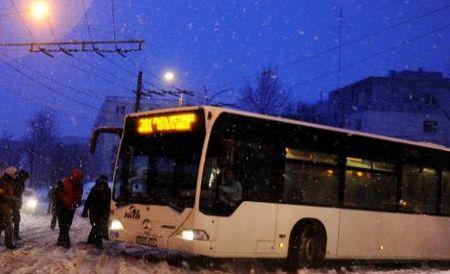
52,202
19,188
7,200
68,193
97,207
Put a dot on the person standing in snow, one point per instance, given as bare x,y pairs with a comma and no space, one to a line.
97,207
52,201
69,193
19,188
7,200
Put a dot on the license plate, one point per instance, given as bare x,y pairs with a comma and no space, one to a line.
141,240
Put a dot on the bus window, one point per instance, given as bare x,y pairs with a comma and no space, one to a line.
419,189
251,165
159,169
311,156
246,147
371,187
137,173
314,179
446,192
369,190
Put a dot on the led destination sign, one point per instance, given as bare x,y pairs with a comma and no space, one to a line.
166,123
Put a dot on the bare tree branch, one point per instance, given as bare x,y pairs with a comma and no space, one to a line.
268,96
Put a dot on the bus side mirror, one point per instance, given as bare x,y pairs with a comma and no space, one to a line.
100,130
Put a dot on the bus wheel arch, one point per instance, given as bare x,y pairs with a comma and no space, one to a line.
307,243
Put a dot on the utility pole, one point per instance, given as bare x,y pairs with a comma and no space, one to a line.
206,95
137,105
340,49
180,100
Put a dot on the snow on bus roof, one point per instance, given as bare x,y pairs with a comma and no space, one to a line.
297,122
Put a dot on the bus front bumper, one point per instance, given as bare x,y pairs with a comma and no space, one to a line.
175,243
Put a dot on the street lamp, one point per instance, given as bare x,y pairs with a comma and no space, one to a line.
39,10
169,76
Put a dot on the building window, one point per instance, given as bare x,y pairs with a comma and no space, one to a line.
120,110
429,100
430,126
358,124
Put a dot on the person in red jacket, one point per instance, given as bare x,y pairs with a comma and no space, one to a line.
68,193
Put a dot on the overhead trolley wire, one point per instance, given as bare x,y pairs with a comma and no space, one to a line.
56,82
45,85
45,104
376,54
365,36
23,20
87,24
349,42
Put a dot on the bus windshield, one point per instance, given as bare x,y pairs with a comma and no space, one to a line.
159,168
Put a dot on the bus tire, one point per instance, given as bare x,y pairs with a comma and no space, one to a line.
307,246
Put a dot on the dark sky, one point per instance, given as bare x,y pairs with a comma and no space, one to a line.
219,44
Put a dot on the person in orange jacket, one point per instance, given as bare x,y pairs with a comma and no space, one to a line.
68,193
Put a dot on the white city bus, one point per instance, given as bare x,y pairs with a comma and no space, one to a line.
307,192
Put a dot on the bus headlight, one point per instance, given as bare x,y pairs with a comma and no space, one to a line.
194,235
32,203
116,225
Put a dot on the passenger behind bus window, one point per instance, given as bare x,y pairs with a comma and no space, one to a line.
230,189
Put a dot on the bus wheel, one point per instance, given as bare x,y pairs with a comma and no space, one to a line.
307,247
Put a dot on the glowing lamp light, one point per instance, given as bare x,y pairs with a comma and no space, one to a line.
188,235
116,225
32,204
194,235
168,123
169,76
39,10
330,172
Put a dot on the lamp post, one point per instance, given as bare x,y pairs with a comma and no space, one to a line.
169,76
39,10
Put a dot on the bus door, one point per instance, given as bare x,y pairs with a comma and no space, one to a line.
241,186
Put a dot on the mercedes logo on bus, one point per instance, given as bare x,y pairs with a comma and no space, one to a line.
147,225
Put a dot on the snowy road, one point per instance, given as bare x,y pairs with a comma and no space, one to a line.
38,253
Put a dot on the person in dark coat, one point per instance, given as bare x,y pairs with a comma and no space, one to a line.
69,193
19,188
52,201
7,200
97,208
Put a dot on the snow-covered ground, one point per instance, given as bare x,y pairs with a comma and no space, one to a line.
38,253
